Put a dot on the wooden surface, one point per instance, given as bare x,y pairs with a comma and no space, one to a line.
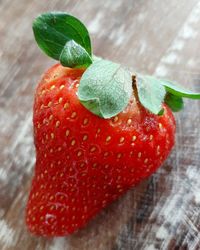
157,37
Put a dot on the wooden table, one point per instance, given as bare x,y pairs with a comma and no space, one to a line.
156,37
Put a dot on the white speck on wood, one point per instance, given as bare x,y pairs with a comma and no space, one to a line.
195,17
59,243
197,197
162,233
95,25
178,45
150,247
171,58
143,46
188,32
141,17
161,70
191,63
6,234
3,174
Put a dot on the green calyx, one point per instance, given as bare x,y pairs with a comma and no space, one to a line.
105,87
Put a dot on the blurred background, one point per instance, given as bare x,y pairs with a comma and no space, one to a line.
155,37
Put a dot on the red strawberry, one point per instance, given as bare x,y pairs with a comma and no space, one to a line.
93,141
85,162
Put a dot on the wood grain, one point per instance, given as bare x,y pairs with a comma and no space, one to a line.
160,37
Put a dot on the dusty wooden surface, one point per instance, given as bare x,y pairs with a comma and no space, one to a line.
160,37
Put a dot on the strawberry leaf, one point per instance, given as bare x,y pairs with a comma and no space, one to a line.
178,90
105,88
73,55
174,102
59,35
151,93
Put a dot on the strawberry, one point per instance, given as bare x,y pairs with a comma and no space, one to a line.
85,162
97,131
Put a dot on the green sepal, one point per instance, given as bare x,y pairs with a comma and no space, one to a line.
151,93
178,90
105,88
174,102
73,55
58,34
